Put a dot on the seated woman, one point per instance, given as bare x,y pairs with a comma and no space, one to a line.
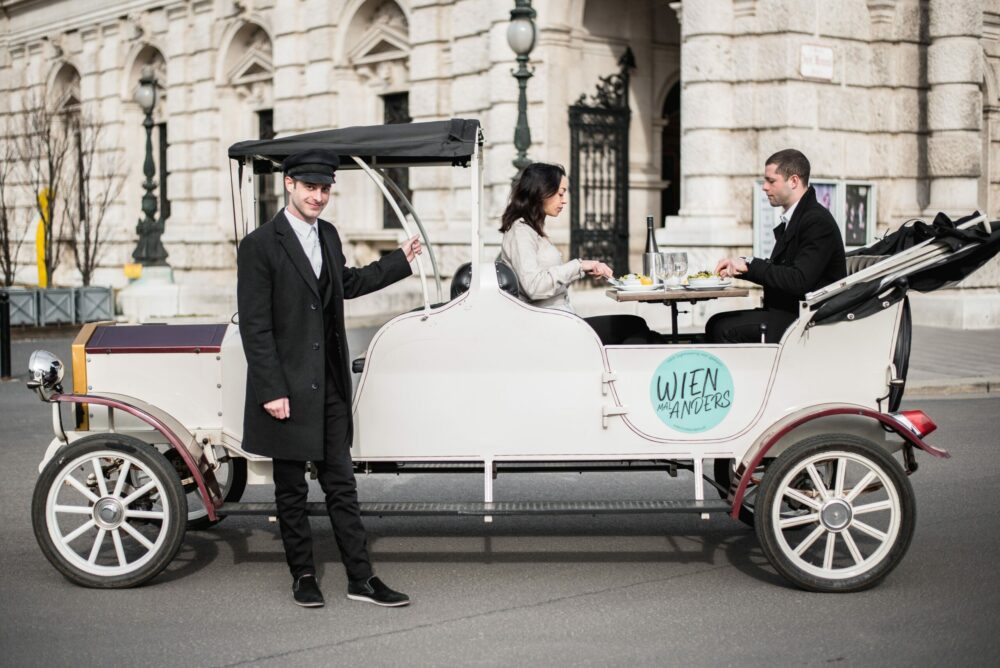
543,277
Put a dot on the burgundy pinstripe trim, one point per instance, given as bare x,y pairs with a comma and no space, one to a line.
844,410
175,442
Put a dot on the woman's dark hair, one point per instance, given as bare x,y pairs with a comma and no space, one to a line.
538,182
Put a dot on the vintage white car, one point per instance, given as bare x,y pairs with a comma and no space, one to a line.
801,438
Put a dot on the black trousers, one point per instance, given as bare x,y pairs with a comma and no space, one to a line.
744,326
336,478
623,329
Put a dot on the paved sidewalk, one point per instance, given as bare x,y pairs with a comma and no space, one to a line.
954,361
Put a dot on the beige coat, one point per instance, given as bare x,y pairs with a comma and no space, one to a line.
542,276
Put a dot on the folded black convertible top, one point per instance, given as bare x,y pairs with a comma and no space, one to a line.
434,142
968,250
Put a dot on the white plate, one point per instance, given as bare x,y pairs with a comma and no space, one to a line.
710,286
640,288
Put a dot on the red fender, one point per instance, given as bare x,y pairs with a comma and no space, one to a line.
213,499
776,432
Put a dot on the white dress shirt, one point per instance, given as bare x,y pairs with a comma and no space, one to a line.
308,235
786,215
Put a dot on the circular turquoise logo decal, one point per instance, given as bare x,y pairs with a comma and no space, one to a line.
691,391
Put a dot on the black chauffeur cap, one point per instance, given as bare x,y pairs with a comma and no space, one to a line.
316,165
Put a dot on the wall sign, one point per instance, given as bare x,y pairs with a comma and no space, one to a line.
691,391
816,62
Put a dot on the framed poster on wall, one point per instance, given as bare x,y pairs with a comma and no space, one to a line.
858,222
852,204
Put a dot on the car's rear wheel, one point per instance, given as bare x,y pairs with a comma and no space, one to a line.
109,511
835,513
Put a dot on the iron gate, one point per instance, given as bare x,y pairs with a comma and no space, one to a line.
599,170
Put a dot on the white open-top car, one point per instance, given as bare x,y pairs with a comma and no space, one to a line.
803,438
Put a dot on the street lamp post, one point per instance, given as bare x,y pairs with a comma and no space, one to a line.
149,251
521,38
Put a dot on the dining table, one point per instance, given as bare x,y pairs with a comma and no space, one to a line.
674,296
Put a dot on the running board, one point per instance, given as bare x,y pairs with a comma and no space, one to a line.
670,466
479,509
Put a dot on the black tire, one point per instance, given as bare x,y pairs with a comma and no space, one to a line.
58,500
901,356
232,491
824,524
722,471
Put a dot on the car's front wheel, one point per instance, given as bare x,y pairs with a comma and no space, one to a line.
109,511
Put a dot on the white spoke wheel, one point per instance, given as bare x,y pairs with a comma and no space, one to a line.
835,513
108,511
232,478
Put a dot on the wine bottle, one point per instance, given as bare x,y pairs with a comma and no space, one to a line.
649,256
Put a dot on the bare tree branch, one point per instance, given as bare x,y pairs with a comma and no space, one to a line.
13,223
44,143
96,178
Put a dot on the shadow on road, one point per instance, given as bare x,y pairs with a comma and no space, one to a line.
550,543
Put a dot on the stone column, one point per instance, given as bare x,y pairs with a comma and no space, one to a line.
954,105
707,224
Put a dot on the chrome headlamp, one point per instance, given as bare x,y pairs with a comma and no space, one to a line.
44,371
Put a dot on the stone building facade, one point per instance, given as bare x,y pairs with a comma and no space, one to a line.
904,95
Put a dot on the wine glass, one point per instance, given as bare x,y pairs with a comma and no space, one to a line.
679,264
666,273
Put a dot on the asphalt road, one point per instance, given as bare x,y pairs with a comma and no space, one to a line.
644,590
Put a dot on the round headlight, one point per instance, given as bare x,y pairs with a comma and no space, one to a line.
45,369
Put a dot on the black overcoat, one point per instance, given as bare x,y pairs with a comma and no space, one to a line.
281,323
805,258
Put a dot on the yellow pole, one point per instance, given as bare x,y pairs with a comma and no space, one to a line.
43,203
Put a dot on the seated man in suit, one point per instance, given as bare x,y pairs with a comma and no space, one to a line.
808,254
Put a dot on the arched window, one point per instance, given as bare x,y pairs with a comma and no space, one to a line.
248,71
378,50
67,106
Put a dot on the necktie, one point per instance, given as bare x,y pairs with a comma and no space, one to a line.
315,257
779,230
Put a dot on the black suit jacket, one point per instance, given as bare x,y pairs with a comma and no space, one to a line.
281,323
806,257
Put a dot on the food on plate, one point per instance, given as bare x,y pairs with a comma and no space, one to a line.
636,279
704,275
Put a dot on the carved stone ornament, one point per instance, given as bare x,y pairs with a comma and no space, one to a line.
54,47
744,9
254,64
389,14
135,27
386,38
882,11
613,89
678,8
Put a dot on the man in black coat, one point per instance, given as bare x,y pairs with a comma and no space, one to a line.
808,254
292,282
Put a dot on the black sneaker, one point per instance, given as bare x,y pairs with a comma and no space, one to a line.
306,592
375,591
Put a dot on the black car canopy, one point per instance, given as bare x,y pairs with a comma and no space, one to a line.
966,251
450,142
